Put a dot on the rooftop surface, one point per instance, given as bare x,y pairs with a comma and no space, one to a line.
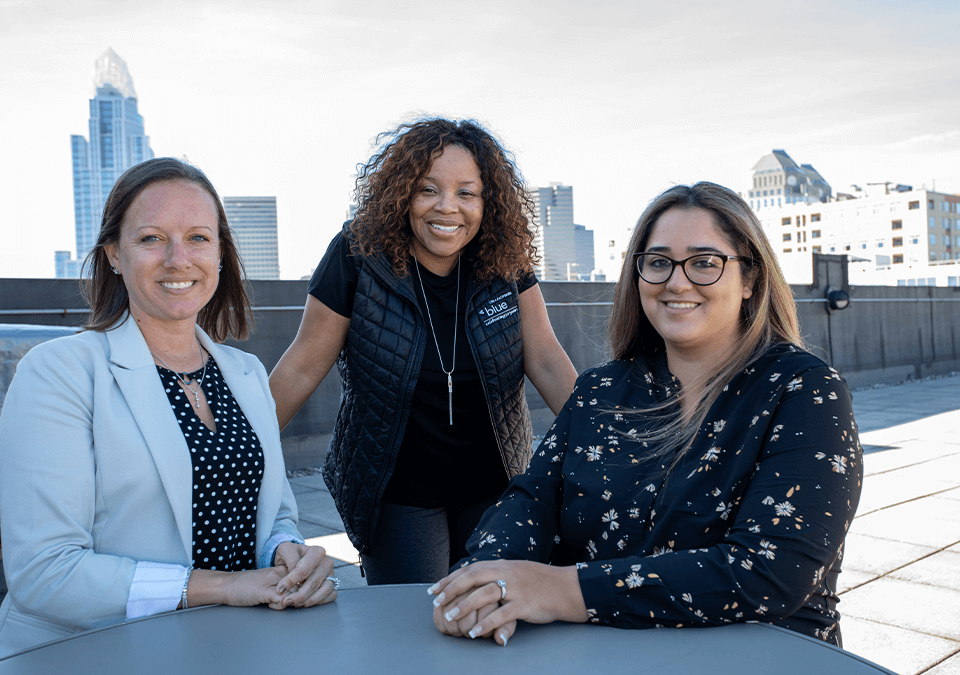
900,587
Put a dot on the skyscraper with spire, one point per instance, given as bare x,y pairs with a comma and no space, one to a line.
117,142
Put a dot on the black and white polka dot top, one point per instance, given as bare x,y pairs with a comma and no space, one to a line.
227,470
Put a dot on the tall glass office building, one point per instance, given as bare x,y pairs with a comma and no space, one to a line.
117,142
253,221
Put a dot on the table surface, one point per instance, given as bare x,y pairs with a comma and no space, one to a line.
390,629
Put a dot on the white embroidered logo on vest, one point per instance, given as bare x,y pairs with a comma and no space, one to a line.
498,309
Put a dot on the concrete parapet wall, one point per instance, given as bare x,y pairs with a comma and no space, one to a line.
886,334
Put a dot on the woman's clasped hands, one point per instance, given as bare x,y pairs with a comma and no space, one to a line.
486,599
301,576
309,580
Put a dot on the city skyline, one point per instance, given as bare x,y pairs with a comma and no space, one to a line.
620,100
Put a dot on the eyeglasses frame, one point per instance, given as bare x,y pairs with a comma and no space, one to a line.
682,265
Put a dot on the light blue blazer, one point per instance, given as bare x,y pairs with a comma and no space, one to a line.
95,475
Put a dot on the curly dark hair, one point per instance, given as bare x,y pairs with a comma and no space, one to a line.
387,183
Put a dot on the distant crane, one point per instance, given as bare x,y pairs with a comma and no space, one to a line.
886,186
897,187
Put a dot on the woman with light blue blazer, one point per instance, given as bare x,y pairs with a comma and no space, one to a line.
140,461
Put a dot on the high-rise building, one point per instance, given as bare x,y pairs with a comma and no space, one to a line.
778,181
254,224
565,255
583,250
117,142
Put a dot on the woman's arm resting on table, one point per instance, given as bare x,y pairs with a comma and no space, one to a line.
466,602
545,362
308,359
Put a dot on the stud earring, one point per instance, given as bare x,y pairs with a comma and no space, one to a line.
114,270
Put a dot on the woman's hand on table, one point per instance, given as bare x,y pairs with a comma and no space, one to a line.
308,573
470,602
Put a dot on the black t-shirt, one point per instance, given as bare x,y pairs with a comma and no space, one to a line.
438,464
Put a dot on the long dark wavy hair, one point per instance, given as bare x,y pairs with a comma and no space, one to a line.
227,313
767,317
386,184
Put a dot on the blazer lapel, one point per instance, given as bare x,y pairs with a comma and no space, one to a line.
136,375
260,412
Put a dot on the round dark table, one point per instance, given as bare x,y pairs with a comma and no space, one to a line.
389,629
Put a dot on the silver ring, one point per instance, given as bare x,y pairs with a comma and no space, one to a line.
503,589
336,583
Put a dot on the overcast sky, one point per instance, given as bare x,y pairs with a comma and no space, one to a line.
618,99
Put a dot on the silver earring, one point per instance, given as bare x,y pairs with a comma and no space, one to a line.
221,268
114,270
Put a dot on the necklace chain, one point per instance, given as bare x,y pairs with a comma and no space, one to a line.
456,321
183,376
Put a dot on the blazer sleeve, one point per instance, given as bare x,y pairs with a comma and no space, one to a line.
48,491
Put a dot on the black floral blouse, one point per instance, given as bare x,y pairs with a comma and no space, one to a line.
748,526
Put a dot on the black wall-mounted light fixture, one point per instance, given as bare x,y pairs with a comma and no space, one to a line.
837,299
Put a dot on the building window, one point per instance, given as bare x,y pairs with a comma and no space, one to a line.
816,249
914,240
863,245
913,205
933,255
847,247
788,250
814,217
896,225
815,234
897,242
933,240
787,236
785,221
930,204
946,223
946,240
897,258
879,244
932,222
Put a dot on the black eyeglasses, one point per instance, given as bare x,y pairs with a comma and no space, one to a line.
703,269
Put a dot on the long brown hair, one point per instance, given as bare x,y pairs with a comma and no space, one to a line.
227,313
768,316
386,184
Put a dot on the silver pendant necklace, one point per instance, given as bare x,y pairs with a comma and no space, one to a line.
183,376
456,320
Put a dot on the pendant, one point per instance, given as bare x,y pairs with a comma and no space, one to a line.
450,395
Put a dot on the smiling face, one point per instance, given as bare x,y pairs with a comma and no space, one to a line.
168,253
695,322
446,210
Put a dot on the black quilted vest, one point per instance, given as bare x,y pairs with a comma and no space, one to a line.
379,367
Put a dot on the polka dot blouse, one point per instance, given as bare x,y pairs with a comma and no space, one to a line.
227,470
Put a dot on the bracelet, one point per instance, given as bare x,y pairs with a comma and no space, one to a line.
183,595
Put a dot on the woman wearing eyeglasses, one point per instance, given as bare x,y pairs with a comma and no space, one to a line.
707,475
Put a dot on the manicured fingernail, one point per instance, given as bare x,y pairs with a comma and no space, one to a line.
433,589
452,614
437,601
504,638
475,631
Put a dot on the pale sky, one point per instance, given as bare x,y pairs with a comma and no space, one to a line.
618,99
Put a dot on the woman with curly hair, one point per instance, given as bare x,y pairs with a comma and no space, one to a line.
428,303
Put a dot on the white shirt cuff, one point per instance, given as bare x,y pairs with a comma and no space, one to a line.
156,588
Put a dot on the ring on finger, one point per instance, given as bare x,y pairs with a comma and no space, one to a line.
335,581
503,589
